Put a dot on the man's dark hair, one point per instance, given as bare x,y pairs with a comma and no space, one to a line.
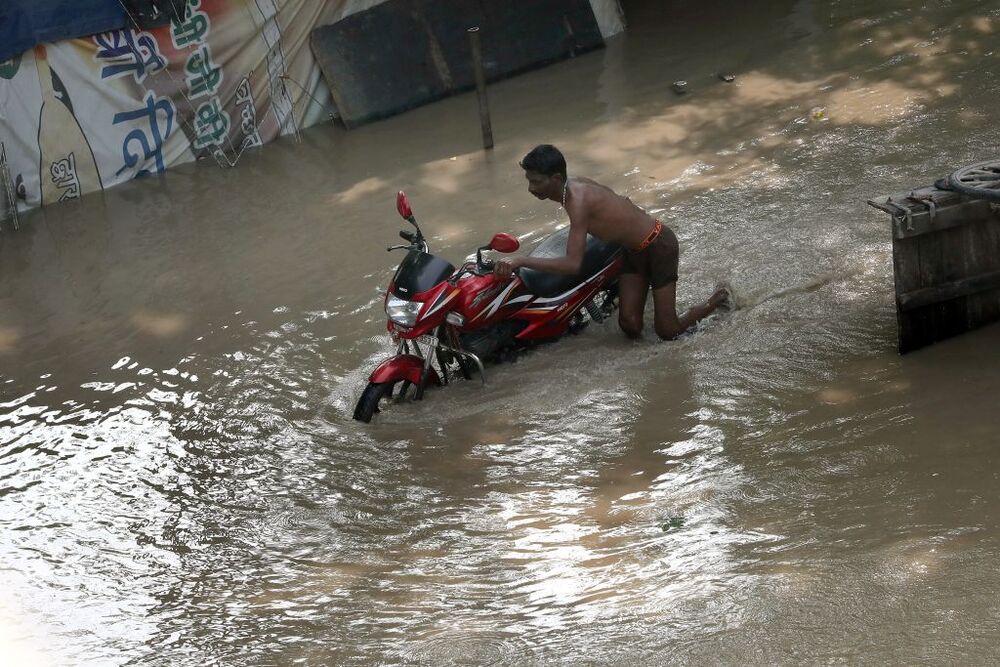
545,159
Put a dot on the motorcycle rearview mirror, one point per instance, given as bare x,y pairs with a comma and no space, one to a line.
501,242
403,206
504,243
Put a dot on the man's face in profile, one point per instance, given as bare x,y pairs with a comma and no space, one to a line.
539,185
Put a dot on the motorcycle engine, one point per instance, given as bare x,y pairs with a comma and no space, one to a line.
489,344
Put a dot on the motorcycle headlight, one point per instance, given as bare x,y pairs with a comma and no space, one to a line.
401,311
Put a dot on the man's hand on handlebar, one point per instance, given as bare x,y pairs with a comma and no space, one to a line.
505,267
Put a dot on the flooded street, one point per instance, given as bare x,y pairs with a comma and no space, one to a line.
181,482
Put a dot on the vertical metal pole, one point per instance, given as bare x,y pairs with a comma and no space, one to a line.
484,104
9,195
5,195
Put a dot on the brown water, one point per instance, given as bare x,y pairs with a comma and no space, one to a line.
181,482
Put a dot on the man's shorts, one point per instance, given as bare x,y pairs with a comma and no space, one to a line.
657,263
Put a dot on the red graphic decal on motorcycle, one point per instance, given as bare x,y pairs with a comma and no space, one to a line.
554,303
498,302
487,293
441,301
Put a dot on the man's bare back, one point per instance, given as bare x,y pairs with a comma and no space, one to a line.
651,249
606,214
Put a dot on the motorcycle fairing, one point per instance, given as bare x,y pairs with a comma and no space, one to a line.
500,300
487,299
432,312
513,300
544,304
438,301
419,272
538,314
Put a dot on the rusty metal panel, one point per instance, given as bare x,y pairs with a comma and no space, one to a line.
404,53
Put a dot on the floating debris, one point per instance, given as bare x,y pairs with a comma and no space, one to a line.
727,77
680,87
673,523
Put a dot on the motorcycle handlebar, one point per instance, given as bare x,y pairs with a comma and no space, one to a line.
474,269
416,242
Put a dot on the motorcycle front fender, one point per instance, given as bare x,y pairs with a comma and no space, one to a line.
403,367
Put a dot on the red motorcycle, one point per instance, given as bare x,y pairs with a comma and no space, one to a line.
459,320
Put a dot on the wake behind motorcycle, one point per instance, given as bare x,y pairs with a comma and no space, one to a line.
448,322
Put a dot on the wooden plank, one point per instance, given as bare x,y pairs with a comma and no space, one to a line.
983,251
942,197
951,209
929,323
952,315
906,273
930,268
976,271
957,215
946,266
928,296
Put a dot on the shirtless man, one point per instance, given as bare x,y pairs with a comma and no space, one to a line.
650,247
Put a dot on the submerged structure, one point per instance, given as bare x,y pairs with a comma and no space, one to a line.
945,242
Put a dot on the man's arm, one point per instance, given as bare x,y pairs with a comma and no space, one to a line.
570,263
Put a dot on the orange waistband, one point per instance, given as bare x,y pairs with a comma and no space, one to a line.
653,235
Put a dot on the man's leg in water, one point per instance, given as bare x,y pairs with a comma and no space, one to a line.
632,291
668,325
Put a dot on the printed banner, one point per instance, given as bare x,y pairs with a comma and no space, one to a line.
86,114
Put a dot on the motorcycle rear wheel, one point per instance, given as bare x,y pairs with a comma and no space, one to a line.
370,398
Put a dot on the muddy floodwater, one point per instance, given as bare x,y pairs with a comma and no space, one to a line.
181,482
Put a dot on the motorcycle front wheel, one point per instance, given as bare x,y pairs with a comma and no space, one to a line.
371,397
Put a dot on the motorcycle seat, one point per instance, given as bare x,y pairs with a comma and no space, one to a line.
540,283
